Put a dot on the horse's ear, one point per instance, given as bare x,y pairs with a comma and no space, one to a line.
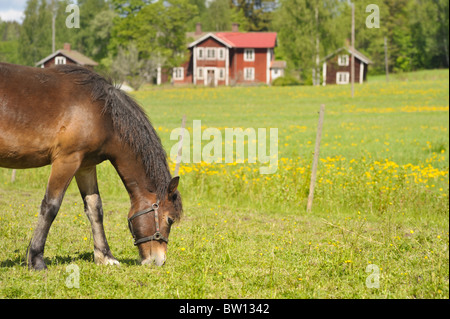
173,185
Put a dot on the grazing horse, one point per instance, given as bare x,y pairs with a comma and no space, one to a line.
73,119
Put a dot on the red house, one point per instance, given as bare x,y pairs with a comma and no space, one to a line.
228,58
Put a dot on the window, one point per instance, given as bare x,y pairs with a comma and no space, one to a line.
210,53
342,77
343,60
221,53
249,74
249,55
221,73
200,73
178,73
60,60
200,54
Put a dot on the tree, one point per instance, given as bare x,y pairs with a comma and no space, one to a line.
35,36
92,38
299,28
156,28
258,13
217,16
9,42
429,24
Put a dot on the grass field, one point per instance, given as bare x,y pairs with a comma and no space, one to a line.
381,202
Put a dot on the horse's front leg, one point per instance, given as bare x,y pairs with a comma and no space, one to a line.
87,184
63,170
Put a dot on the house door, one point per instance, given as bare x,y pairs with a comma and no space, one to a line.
211,77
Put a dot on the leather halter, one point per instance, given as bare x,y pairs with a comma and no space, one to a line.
157,235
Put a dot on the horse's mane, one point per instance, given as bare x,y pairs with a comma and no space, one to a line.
131,123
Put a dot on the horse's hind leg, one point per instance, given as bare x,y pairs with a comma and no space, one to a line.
87,184
63,170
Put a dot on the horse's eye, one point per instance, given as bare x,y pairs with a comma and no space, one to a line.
170,221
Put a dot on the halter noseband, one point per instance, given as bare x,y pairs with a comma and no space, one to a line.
157,235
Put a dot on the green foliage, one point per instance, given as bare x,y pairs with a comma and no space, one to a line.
299,48
35,36
94,34
258,13
157,28
9,42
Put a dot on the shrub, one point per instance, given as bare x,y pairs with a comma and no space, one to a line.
286,81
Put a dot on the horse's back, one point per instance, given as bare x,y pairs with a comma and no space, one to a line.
43,114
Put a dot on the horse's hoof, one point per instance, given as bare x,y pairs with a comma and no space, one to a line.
37,264
104,259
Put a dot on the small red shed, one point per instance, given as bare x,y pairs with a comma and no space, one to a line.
66,56
336,67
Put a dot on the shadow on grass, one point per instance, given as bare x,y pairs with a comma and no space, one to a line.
63,260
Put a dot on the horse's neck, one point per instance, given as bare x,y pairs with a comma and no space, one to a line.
133,174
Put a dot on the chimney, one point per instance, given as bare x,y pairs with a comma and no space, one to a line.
67,46
198,28
235,27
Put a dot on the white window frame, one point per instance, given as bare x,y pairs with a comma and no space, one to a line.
249,76
178,73
60,60
221,74
214,54
221,54
200,54
346,77
249,55
200,73
343,60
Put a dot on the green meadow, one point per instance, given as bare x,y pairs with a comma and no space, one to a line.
379,227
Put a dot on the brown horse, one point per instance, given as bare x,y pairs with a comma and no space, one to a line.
74,119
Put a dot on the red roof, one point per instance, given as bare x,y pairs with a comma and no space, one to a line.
249,39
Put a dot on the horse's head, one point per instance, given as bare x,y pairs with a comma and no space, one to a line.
150,227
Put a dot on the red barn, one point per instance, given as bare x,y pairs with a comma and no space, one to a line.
224,58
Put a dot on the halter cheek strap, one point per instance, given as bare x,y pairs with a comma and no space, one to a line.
157,235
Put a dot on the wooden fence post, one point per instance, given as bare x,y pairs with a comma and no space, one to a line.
386,65
13,176
316,158
352,67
